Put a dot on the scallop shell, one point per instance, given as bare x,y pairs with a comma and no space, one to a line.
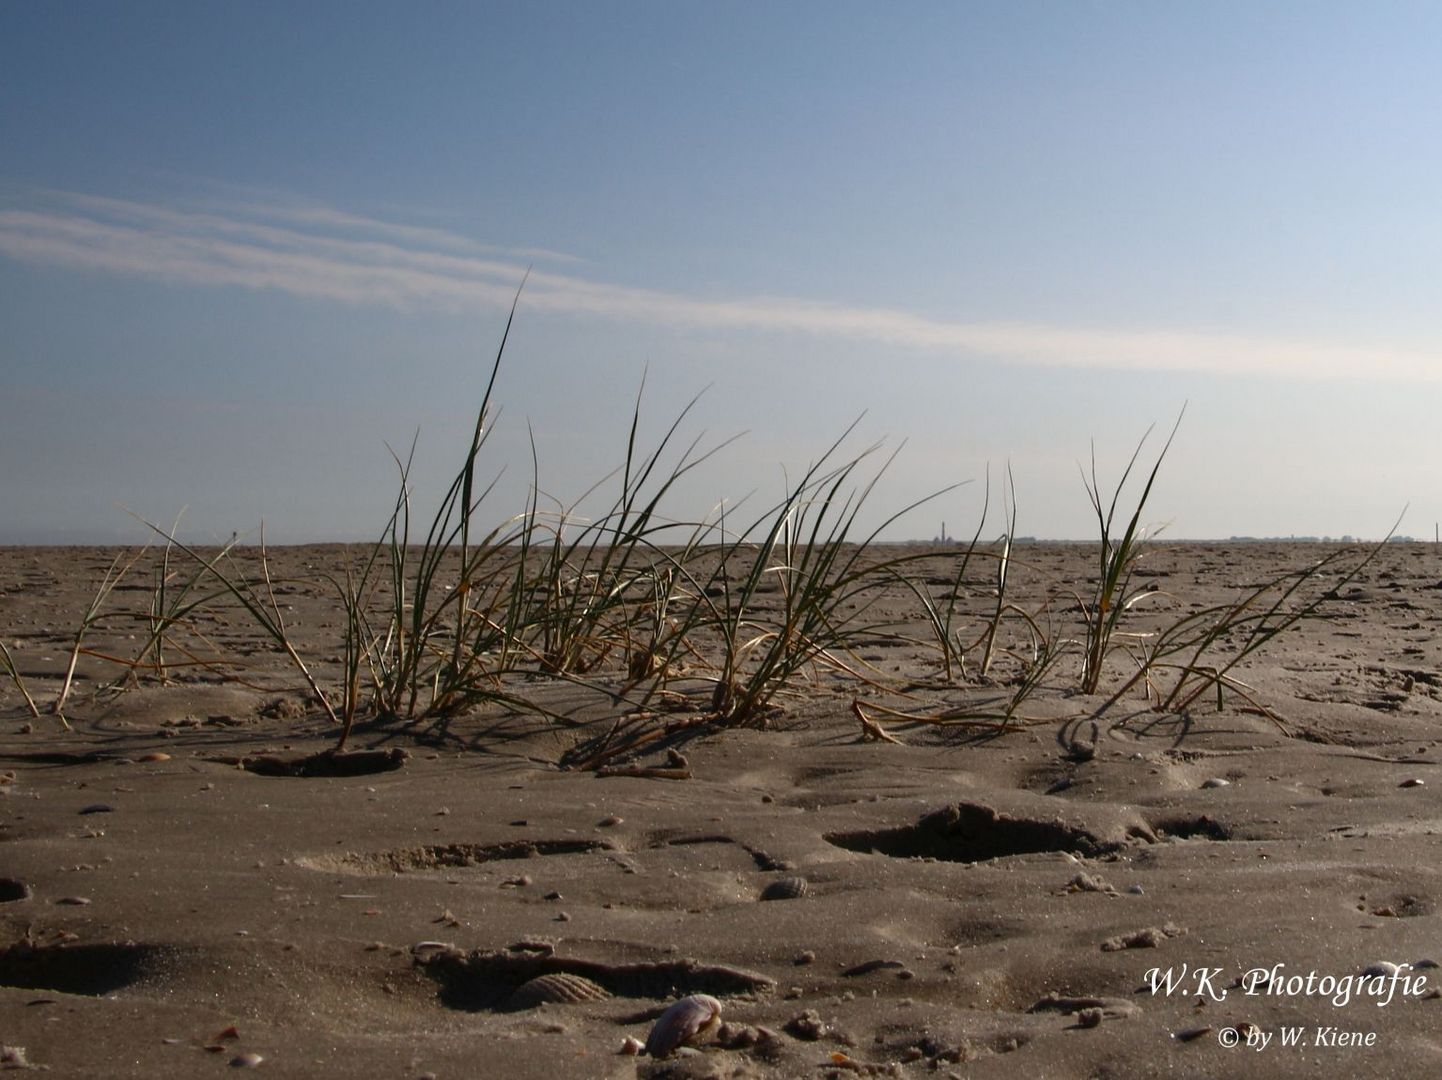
691,1020
787,888
556,988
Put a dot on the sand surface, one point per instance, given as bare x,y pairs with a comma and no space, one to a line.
970,903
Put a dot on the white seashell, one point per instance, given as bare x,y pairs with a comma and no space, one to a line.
1216,782
631,1047
426,952
13,1057
691,1020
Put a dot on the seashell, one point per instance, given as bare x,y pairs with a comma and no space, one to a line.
1384,968
787,888
691,1020
423,952
1216,782
556,988
13,1057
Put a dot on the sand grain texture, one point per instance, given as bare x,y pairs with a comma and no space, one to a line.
958,904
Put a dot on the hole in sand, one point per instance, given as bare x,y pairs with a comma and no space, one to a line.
327,763
973,932
1192,828
447,856
970,833
92,970
759,858
489,981
12,890
1405,906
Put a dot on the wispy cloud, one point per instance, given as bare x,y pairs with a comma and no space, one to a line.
328,254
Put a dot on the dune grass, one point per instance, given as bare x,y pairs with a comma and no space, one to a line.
1113,595
602,591
448,630
1031,666
7,664
1180,664
256,596
167,609
93,614
943,623
826,582
1175,664
1003,564
445,615
175,599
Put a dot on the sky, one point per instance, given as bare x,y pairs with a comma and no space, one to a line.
249,250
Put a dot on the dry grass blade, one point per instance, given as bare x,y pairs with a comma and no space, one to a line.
597,587
8,663
263,609
953,652
826,582
163,609
119,567
1003,563
1247,625
442,648
1111,597
173,601
983,717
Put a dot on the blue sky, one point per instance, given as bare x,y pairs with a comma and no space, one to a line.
245,247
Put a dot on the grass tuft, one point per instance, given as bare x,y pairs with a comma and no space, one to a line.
445,615
1113,595
7,663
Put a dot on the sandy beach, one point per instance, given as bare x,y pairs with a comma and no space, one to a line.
188,889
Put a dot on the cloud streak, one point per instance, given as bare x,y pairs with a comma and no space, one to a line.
325,254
